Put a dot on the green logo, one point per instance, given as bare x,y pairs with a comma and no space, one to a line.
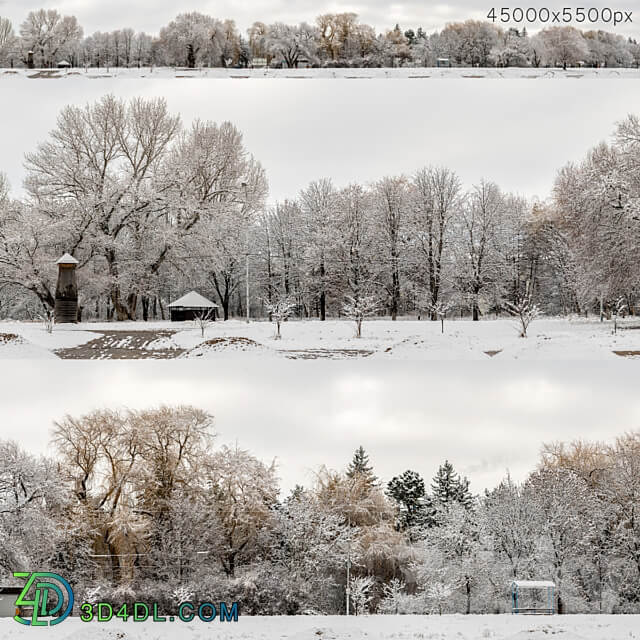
42,604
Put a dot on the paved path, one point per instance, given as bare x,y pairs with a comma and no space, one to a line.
122,345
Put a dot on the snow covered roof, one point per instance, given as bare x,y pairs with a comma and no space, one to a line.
67,259
193,300
533,584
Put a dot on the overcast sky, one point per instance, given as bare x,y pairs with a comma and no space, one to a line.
485,418
515,132
151,15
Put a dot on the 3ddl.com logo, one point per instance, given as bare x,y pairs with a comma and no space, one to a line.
42,603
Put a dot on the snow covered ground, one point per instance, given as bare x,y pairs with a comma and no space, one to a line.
549,339
349,74
454,627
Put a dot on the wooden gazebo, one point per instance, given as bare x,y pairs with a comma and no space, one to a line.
192,306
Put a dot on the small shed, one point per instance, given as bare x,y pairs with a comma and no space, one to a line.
533,597
8,597
192,306
64,64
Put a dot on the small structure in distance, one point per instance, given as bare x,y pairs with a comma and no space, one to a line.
192,306
66,301
535,597
8,597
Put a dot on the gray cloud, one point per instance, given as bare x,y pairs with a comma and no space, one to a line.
151,16
516,132
485,419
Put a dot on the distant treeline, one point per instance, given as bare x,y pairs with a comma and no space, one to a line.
48,39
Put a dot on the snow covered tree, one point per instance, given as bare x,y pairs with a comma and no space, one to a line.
415,508
308,543
448,488
393,596
390,211
289,43
478,257
435,200
360,468
564,45
280,309
48,35
357,309
159,190
563,505
360,590
440,310
439,593
510,521
124,468
524,310
8,43
193,38
243,492
318,211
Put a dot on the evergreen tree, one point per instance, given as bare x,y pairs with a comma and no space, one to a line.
414,505
447,487
360,467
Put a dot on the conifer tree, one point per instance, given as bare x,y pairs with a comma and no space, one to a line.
360,467
447,487
414,505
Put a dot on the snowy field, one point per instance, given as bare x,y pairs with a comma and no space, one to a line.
549,339
455,627
349,74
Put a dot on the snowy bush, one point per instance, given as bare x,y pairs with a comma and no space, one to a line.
440,310
182,594
360,589
359,308
203,319
47,319
281,309
525,312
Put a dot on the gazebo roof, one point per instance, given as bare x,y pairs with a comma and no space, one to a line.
533,584
67,259
193,300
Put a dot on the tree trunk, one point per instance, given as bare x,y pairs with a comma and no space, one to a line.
323,295
132,304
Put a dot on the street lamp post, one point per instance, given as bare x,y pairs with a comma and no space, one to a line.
244,186
247,278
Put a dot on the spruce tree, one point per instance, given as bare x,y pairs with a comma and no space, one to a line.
414,505
448,487
360,468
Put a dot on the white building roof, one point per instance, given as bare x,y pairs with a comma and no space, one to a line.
67,259
193,300
533,584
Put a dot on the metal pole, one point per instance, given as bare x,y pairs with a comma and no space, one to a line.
348,589
247,278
